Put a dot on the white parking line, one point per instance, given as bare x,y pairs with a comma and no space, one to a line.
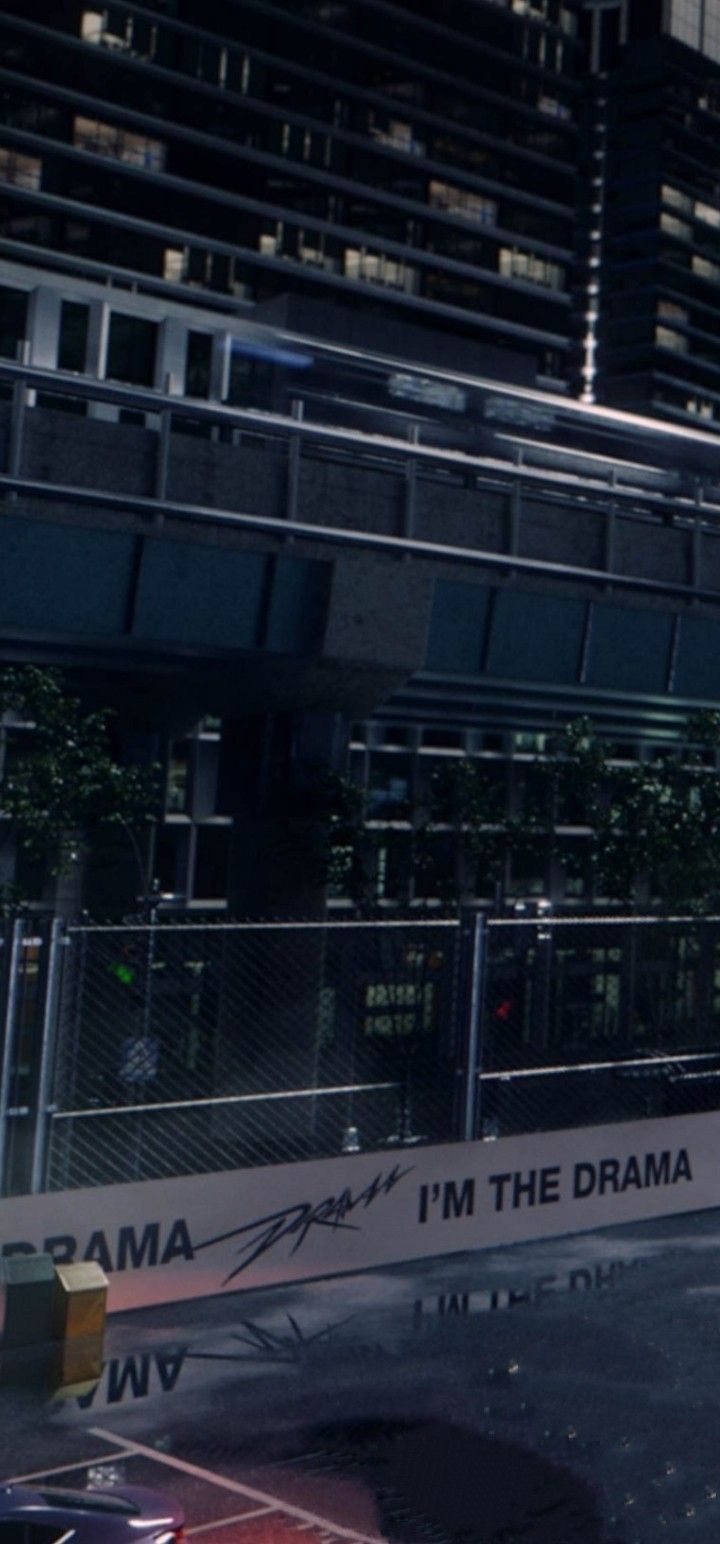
81,1463
224,1522
273,1503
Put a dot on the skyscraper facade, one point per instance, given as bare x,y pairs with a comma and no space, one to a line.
414,162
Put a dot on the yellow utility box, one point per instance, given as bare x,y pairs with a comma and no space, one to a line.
80,1311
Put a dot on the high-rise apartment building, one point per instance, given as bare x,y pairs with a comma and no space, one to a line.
408,162
657,111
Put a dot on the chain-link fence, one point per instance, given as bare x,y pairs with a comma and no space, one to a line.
137,1052
188,1048
592,1020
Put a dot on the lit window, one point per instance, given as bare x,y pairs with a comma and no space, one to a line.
472,206
178,780
24,171
704,268
707,213
552,107
534,270
311,249
108,139
670,311
675,227
96,27
666,337
675,199
175,264
700,407
376,268
399,135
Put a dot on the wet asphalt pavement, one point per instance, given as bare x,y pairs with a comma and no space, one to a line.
553,1392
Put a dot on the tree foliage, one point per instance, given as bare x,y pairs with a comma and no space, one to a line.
60,781
651,828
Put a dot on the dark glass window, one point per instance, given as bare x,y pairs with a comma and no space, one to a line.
199,358
171,859
73,336
13,318
131,350
211,863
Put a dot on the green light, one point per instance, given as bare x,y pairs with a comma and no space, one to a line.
124,973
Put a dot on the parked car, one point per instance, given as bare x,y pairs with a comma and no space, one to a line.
50,1515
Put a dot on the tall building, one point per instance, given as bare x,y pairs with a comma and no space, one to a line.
409,163
657,92
315,322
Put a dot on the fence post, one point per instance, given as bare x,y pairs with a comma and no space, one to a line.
9,1030
42,1111
473,1037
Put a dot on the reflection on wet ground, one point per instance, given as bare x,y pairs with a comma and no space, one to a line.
556,1391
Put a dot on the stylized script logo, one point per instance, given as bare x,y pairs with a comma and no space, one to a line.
264,1233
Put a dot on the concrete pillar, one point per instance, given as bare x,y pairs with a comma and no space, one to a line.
171,357
44,328
96,357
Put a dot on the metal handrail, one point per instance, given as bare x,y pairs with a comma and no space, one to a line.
156,401
611,1065
198,1104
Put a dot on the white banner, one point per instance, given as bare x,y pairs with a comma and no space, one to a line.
166,1240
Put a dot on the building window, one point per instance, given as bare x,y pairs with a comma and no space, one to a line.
121,144
707,213
398,135
531,268
397,1008
211,863
552,107
694,23
198,364
675,227
24,171
666,337
270,243
132,343
13,321
177,795
175,264
311,249
471,206
704,268
376,268
74,319
671,312
675,199
700,407
107,28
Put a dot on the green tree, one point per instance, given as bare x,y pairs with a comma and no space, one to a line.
59,781
653,827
